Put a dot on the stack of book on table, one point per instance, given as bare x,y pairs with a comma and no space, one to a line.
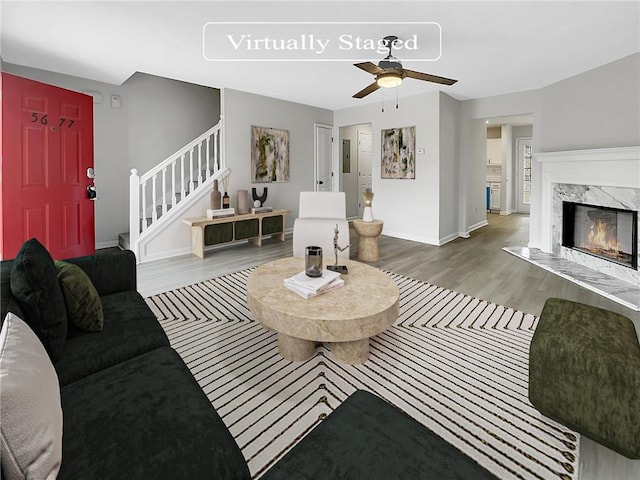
308,287
220,212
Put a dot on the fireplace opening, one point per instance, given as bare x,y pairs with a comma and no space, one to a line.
607,233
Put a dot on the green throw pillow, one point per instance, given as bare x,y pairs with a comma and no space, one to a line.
84,308
35,286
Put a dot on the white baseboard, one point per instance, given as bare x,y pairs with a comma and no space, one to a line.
413,238
448,238
144,258
478,225
109,244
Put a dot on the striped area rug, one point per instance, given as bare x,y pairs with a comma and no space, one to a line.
455,363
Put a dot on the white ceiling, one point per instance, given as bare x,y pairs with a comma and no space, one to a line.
492,48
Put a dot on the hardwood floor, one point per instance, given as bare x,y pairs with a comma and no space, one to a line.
476,266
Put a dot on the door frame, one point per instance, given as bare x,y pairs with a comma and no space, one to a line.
360,164
316,160
521,207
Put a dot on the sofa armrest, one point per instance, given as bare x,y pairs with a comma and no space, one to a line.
110,272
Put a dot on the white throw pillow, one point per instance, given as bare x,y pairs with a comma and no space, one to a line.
30,410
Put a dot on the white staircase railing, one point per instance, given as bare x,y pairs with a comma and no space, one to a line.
170,184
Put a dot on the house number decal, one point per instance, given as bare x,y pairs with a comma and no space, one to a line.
44,120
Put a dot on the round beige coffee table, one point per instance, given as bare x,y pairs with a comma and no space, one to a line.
368,241
345,317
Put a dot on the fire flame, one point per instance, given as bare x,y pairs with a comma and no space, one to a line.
600,238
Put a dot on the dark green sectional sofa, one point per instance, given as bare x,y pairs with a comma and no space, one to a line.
131,407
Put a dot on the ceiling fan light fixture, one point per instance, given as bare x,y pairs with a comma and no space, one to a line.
389,80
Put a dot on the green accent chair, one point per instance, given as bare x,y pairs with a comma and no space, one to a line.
584,372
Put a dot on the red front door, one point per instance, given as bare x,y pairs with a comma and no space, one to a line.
47,147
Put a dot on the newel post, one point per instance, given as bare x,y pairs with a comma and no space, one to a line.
134,211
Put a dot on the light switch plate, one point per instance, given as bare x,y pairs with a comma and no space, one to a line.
116,101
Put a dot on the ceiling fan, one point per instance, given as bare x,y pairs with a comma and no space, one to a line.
389,72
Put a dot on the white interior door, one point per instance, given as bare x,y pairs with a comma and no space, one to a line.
323,159
523,172
365,152
349,175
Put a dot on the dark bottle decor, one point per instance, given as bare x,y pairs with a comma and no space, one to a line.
216,197
226,201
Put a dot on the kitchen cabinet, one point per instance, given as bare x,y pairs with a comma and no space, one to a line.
494,151
495,195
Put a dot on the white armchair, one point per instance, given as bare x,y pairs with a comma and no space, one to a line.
318,215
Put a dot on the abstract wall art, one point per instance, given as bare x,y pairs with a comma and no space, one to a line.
399,153
269,155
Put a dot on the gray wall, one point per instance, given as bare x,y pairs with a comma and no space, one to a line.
520,132
158,116
409,208
243,110
164,115
473,162
596,109
449,171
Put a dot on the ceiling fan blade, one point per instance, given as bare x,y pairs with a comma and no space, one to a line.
367,90
429,78
369,67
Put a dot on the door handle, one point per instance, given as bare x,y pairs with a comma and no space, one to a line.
320,182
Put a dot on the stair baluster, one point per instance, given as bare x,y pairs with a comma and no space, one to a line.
154,198
199,165
174,200
144,207
168,202
164,191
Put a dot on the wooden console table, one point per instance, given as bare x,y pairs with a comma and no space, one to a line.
250,226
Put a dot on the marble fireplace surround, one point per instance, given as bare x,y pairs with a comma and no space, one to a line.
616,197
608,177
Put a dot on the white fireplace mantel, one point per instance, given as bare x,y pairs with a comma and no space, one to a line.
592,155
604,176
604,167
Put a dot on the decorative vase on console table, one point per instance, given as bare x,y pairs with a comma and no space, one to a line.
216,197
258,200
367,215
242,199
